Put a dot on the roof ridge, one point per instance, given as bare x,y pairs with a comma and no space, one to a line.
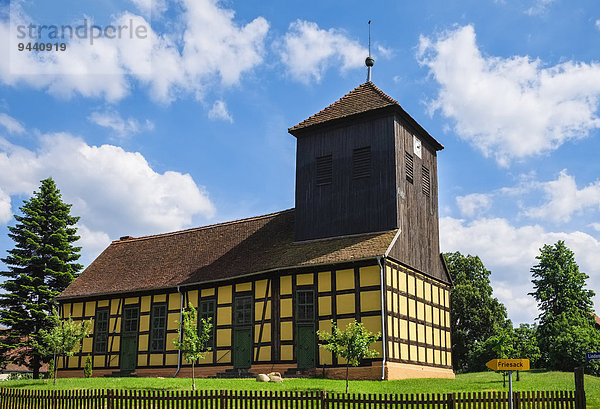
194,229
324,114
383,94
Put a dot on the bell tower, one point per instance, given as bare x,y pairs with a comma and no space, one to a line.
365,165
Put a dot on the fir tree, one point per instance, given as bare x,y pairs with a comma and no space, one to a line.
42,264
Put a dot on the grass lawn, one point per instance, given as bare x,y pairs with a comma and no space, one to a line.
480,381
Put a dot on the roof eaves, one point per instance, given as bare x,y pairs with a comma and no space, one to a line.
174,286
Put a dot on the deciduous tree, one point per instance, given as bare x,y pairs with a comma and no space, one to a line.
62,339
566,327
475,314
193,342
353,343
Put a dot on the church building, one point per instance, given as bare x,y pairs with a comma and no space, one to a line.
361,243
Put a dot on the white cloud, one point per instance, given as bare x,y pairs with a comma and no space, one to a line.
538,7
213,43
564,199
384,51
509,252
474,203
5,210
122,127
91,242
510,107
114,191
308,51
11,124
598,24
213,49
219,111
154,8
595,226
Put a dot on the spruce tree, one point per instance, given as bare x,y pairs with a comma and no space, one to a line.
40,266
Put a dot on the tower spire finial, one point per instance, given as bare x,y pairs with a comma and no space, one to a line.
369,62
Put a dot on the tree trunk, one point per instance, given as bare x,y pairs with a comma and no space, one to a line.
55,368
193,378
35,365
346,377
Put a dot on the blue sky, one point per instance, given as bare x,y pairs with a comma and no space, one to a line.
187,124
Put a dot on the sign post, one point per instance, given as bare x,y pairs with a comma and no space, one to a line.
509,365
510,395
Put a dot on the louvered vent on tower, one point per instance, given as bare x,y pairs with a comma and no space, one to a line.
426,185
408,159
361,162
324,170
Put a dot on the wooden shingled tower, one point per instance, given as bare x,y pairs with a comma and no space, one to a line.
364,165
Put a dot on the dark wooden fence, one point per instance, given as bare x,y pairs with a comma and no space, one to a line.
225,399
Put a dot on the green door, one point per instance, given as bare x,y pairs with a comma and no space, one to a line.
242,333
242,348
306,346
305,328
129,338
128,352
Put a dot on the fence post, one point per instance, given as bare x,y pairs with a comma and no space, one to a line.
110,399
222,399
579,388
451,400
324,400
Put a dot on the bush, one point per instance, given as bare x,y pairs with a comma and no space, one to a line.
51,369
87,369
16,376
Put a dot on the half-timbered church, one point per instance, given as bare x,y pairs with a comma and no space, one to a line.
361,244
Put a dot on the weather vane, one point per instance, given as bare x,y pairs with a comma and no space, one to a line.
369,62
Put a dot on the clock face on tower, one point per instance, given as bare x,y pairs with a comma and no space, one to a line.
417,146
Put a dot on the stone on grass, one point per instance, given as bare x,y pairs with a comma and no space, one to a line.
261,377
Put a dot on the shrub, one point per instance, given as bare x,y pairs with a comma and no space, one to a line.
87,369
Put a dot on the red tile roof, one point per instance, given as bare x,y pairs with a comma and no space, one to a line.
364,98
216,252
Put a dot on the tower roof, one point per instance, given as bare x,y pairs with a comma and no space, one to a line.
367,97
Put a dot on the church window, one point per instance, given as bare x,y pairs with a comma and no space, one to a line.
101,331
158,327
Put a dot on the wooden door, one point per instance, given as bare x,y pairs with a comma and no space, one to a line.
242,352
305,329
129,339
306,346
242,333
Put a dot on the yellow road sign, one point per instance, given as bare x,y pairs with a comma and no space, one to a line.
508,364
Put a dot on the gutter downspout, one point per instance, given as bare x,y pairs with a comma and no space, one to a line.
180,332
383,338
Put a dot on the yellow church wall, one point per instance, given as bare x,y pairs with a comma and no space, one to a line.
340,294
418,323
